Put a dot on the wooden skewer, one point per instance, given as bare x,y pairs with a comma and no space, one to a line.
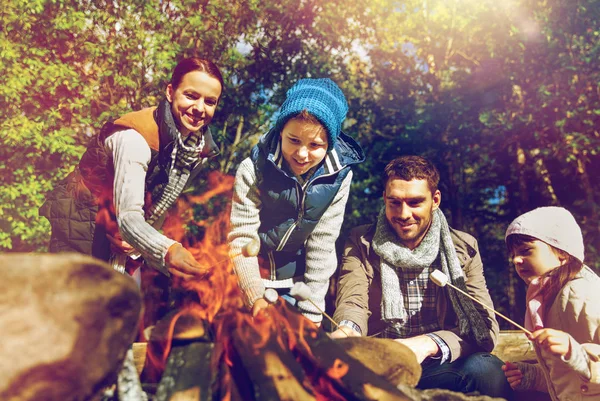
250,249
301,292
441,279
329,317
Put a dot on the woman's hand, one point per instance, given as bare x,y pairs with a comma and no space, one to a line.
556,342
117,245
513,374
181,263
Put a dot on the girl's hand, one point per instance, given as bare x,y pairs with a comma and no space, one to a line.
553,341
513,374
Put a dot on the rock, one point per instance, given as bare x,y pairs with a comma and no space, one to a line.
388,358
66,321
442,395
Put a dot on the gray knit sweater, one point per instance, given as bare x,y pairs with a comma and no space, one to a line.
321,258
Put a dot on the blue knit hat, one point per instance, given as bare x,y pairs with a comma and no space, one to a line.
320,97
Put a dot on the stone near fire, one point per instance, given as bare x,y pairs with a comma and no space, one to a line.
66,322
439,394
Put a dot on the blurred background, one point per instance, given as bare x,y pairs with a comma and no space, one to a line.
503,96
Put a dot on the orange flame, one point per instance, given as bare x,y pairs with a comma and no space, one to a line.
220,302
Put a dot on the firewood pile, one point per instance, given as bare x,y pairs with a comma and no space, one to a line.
278,355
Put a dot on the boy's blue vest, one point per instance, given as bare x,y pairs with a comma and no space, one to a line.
290,211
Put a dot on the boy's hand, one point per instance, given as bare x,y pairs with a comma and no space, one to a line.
259,305
556,342
513,374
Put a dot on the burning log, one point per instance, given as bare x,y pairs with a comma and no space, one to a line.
354,379
287,357
274,373
393,361
188,375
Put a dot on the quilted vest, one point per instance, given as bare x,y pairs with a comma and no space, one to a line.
84,198
290,211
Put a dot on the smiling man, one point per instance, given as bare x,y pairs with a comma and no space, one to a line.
384,288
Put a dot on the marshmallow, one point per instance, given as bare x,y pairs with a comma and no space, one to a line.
271,295
439,278
251,248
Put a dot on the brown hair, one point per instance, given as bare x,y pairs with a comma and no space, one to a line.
195,64
306,117
558,277
409,168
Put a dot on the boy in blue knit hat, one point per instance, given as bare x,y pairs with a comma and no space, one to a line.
290,196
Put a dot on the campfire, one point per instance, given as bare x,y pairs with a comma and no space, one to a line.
211,348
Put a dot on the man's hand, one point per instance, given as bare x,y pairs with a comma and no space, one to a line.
344,332
259,305
181,263
117,245
423,346
513,374
553,341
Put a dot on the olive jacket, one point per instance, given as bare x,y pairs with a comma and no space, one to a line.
359,290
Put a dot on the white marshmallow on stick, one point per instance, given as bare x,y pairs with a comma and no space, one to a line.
249,250
302,292
440,279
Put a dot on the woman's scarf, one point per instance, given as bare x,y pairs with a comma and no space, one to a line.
184,157
186,153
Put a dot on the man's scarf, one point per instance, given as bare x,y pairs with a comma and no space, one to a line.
437,241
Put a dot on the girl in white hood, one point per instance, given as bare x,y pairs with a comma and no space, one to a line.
563,312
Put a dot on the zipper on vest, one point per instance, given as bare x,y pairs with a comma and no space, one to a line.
272,267
302,192
289,231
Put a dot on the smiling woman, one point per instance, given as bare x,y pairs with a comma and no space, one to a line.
153,154
194,100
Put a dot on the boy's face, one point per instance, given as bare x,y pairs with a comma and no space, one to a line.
533,259
303,144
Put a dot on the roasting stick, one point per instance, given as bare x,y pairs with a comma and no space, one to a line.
301,292
441,279
248,250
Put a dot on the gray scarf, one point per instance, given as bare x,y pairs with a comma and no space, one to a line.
184,157
436,242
